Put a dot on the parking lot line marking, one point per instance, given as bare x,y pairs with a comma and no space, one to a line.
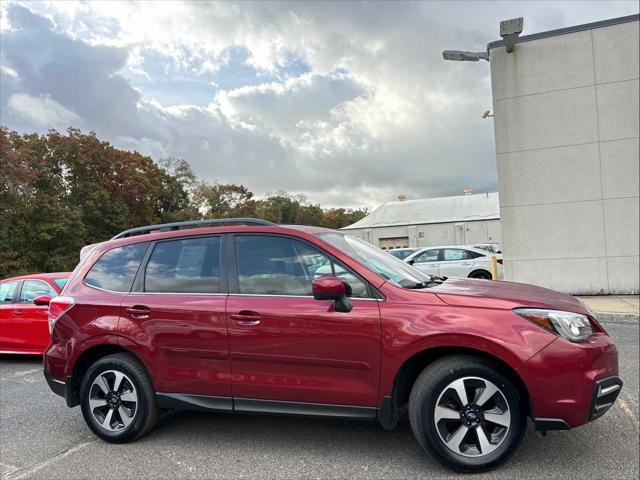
626,409
29,470
23,373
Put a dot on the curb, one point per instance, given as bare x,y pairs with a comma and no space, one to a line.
618,318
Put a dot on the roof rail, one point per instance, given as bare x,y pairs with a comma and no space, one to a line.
191,223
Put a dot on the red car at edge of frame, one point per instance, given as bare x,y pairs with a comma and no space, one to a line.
24,326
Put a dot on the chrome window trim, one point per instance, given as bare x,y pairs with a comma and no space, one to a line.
153,293
297,296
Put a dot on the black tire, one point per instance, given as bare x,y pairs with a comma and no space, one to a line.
431,384
481,275
146,411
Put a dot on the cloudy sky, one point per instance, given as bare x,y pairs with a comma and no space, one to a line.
348,103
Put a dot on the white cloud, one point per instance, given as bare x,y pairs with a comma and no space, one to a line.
42,111
376,113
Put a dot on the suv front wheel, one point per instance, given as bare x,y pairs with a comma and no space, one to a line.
466,413
117,399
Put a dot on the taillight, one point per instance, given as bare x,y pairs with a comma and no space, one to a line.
58,306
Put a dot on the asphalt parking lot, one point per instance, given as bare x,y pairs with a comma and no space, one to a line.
41,438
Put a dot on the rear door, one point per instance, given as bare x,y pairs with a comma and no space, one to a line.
29,322
456,262
177,306
8,290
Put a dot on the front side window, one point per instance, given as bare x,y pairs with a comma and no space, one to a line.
117,268
272,265
191,265
427,256
7,289
34,288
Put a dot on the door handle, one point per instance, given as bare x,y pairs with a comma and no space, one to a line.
18,313
139,311
246,317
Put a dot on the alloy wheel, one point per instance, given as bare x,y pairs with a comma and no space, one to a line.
472,416
113,400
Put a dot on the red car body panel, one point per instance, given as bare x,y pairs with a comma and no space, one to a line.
24,327
297,349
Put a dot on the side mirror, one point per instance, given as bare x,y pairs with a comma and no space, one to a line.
332,288
411,262
42,300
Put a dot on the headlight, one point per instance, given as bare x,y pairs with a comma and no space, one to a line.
572,326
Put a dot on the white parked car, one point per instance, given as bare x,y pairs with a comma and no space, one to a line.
402,253
455,261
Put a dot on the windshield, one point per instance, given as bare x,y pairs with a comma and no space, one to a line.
385,265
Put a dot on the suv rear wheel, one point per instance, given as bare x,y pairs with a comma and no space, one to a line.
117,399
466,413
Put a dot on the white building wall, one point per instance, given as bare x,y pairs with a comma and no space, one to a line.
567,128
429,235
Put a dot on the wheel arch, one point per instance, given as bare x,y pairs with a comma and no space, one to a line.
88,357
478,270
408,372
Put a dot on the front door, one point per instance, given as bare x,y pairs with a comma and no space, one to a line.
7,294
178,304
286,346
428,262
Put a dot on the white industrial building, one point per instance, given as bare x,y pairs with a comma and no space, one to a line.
457,220
566,108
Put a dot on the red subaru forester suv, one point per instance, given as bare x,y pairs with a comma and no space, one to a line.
300,320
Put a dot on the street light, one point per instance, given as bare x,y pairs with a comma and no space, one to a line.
460,56
510,30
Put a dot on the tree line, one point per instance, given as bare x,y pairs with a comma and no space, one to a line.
61,191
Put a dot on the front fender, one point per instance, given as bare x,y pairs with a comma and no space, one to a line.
408,330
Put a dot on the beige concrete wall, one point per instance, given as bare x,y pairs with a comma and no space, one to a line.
567,128
479,231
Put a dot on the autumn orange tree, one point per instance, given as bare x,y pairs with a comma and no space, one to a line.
61,191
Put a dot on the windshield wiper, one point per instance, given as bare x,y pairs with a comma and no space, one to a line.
435,280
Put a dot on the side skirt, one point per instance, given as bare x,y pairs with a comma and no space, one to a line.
181,401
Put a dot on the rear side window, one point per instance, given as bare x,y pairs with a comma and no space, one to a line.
7,289
34,288
116,269
184,266
453,254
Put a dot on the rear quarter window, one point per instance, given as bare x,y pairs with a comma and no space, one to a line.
116,269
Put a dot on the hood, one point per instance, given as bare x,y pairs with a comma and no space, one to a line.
507,295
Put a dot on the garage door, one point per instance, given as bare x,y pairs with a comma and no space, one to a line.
395,242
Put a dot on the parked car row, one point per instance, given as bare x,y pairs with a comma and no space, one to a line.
453,261
258,317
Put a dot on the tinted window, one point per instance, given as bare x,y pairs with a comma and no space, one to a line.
184,266
117,268
270,265
60,282
453,254
34,288
7,289
427,256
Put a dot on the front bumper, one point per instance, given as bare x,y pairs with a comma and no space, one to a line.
565,379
